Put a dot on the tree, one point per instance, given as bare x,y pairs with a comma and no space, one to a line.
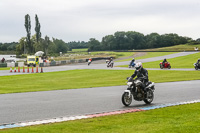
61,46
28,30
94,44
46,44
108,42
37,28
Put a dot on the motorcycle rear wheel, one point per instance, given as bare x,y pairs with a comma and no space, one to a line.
126,100
149,97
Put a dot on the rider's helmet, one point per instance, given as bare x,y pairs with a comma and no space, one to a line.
138,66
133,59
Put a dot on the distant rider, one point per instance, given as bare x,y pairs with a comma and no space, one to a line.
89,61
132,63
198,63
164,61
110,62
140,72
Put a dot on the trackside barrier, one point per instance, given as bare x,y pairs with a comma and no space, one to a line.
32,70
41,70
23,69
10,69
18,69
36,69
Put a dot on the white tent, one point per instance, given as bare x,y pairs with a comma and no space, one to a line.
39,53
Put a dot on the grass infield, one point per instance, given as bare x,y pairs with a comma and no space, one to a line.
74,79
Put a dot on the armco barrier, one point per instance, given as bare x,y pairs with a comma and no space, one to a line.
52,63
72,61
41,65
63,62
3,64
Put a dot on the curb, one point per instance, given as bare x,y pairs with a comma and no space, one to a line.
62,119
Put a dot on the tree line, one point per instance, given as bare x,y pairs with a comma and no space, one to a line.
134,40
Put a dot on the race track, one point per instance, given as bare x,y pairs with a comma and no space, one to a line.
23,107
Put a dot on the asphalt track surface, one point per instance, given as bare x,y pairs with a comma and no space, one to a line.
24,107
96,65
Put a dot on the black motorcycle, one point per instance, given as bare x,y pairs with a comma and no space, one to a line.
110,64
196,66
135,90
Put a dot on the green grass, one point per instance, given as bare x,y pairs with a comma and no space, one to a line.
178,62
149,55
113,54
185,47
176,119
80,50
74,79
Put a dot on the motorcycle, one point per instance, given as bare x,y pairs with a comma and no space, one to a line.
196,66
132,64
110,64
134,90
89,61
166,65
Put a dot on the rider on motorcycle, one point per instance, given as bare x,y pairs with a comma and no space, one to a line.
164,61
140,72
198,63
131,63
110,61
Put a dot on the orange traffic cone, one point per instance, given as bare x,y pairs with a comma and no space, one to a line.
15,70
28,70
36,69
23,70
18,69
41,70
32,70
10,69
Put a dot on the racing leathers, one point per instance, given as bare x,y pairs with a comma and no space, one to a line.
164,61
198,63
142,73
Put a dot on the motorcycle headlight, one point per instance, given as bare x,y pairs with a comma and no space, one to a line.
129,84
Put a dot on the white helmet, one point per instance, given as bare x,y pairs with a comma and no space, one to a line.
138,66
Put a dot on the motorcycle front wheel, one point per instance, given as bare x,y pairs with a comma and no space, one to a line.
196,68
149,97
126,100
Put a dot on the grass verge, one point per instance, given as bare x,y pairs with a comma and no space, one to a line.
181,48
149,55
182,119
74,79
178,62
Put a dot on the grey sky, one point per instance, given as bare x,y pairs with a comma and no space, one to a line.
80,20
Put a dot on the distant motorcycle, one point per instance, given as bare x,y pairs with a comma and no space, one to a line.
110,63
134,90
132,64
166,65
89,61
196,66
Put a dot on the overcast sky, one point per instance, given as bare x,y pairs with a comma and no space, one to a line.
80,20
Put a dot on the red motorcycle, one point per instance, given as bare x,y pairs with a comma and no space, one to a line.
165,65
